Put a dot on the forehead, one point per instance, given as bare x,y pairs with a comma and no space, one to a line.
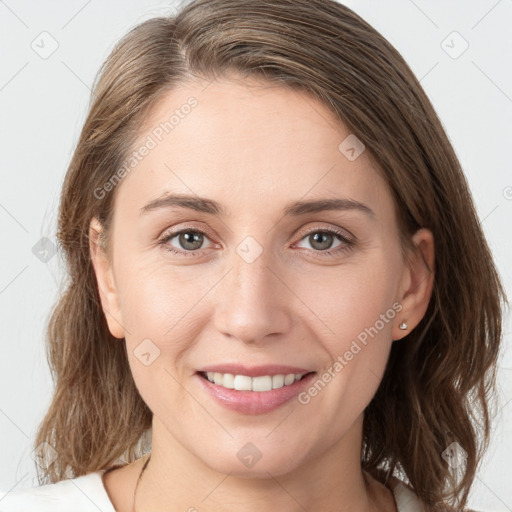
245,143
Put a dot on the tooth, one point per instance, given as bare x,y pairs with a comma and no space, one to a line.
246,383
277,381
289,379
243,383
263,383
229,381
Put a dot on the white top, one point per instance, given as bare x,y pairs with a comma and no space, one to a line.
88,494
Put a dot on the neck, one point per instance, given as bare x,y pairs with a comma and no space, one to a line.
176,479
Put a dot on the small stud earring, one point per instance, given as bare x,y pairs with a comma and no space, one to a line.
403,326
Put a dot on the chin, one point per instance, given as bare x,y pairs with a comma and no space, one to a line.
260,466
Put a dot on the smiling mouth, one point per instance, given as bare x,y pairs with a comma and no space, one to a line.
262,383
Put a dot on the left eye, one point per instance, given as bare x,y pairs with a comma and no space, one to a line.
323,239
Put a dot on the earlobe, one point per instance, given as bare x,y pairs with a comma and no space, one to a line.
418,283
105,279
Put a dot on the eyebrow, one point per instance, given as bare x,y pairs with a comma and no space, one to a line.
204,205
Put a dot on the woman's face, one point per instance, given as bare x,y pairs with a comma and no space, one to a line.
257,279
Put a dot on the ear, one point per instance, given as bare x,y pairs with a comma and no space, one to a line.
105,278
417,283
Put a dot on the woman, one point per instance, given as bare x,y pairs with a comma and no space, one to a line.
280,295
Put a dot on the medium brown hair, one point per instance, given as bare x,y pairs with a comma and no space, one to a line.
440,378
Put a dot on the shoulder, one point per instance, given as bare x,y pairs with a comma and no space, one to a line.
408,501
80,494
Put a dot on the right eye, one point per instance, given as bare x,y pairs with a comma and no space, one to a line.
190,240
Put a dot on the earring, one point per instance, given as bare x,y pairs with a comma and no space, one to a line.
403,326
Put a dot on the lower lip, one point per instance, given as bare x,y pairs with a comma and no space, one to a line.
254,402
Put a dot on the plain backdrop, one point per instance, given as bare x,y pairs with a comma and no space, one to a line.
460,50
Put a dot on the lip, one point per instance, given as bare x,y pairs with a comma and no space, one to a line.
253,371
255,402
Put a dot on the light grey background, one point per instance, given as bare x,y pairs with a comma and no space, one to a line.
43,104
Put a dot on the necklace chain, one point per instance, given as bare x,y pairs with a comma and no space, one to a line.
146,464
138,480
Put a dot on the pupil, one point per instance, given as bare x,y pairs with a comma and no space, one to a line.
322,236
191,237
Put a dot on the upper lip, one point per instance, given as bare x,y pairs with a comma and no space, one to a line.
253,371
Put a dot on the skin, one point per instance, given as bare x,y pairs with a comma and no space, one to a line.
254,150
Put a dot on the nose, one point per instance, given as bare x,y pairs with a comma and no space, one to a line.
252,301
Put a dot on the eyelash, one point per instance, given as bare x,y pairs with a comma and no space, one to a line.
348,243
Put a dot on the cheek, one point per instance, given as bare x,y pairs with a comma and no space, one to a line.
153,298
349,299
162,320
162,312
353,309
